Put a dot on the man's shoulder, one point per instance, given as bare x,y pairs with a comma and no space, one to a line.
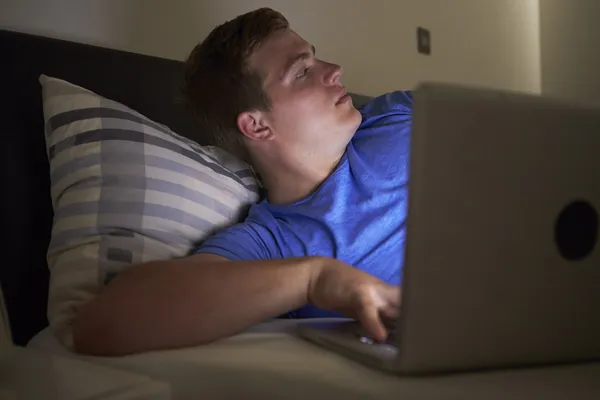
251,239
258,219
395,101
390,113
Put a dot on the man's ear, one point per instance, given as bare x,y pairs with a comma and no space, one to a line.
253,125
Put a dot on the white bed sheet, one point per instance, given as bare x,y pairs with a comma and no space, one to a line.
269,361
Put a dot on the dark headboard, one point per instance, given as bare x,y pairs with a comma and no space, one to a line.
149,85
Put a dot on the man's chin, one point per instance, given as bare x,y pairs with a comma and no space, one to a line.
354,119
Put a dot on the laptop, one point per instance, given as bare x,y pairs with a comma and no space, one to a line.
502,261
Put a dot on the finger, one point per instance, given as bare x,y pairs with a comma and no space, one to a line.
391,295
368,316
390,313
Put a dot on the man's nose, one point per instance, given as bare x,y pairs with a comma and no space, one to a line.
334,74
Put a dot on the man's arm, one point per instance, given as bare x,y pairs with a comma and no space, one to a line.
190,301
170,304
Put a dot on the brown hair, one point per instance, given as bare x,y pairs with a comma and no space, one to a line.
219,84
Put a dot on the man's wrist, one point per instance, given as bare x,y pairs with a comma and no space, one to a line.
314,266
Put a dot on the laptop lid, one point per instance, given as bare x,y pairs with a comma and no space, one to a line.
502,262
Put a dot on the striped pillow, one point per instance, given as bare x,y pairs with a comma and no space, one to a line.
126,190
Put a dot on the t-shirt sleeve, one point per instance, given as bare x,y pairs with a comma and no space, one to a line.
242,242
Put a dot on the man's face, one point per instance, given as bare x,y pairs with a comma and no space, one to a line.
311,114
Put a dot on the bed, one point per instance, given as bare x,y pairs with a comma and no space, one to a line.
149,85
264,362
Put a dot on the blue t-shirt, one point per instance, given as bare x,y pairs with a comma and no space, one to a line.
357,215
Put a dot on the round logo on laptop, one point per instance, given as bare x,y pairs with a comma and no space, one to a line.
576,230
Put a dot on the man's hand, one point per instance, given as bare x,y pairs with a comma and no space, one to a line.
337,286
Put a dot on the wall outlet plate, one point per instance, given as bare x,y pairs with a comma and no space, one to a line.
423,41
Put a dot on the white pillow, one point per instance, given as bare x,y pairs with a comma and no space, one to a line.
126,190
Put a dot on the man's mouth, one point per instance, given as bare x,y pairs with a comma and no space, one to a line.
343,98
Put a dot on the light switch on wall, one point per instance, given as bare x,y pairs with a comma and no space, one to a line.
423,41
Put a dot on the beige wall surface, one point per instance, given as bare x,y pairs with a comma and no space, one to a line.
492,43
570,49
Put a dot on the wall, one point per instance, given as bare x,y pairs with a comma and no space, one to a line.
570,49
488,43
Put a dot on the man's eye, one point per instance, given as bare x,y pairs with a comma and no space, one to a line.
303,73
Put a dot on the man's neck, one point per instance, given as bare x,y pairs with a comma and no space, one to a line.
287,184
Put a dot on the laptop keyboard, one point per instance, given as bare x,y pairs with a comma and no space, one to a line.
366,339
392,337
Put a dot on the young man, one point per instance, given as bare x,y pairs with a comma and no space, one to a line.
329,235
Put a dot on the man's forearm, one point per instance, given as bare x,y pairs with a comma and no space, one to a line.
187,302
